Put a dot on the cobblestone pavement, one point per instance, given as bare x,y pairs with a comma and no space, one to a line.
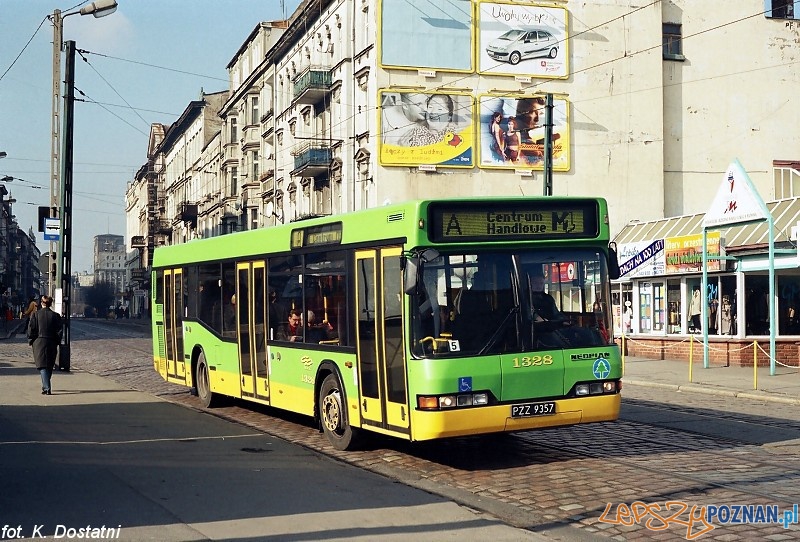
585,476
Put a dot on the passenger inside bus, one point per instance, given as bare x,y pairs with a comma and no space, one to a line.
318,332
543,305
292,330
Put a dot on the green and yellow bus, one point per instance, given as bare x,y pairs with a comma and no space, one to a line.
423,320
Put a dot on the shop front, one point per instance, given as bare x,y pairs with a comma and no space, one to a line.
663,311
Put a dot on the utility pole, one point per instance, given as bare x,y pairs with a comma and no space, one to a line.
55,141
64,265
548,146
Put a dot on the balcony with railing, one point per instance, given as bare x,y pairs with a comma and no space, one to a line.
267,182
311,86
311,160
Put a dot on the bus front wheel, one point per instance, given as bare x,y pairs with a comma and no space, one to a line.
207,397
333,414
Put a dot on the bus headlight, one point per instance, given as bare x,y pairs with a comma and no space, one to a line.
444,402
596,388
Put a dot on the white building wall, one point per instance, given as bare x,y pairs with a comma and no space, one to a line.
652,136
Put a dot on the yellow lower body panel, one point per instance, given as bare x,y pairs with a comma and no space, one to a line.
495,419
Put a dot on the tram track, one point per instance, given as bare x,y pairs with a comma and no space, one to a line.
539,480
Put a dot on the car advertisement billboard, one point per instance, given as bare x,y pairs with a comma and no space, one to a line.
524,40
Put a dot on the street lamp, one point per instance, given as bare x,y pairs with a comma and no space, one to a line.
61,165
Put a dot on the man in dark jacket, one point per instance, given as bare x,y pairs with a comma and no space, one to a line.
44,334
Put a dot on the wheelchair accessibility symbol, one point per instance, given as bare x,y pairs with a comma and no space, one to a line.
465,383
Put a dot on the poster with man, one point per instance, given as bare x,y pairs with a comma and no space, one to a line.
524,40
421,128
512,132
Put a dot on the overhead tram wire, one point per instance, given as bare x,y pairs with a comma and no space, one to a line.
86,60
155,66
24,48
91,101
444,87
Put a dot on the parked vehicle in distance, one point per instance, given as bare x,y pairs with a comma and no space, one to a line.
521,44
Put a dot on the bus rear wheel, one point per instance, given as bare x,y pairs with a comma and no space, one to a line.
203,383
333,415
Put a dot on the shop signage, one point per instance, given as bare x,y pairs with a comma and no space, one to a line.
736,201
684,254
642,259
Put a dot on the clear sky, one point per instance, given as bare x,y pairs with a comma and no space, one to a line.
144,64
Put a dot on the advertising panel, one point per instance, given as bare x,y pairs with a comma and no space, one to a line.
641,259
523,40
511,132
419,128
684,254
434,34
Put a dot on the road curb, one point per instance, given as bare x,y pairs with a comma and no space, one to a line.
723,392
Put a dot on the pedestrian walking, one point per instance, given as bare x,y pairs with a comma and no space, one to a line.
30,311
44,335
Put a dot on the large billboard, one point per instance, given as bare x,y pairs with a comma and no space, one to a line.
511,132
524,40
420,128
433,34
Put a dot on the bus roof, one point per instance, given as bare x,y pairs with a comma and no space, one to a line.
406,222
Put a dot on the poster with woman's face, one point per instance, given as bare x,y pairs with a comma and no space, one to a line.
511,133
522,40
419,128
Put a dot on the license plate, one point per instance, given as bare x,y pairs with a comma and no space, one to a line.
533,409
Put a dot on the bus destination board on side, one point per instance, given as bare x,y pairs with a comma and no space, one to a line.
513,221
314,236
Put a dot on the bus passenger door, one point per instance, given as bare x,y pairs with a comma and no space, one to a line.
380,348
243,325
259,303
173,324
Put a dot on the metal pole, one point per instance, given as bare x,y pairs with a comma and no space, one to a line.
58,29
548,145
64,271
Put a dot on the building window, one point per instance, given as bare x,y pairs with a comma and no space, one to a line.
781,9
255,165
234,130
254,110
672,46
234,181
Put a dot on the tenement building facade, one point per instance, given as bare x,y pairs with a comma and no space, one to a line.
351,104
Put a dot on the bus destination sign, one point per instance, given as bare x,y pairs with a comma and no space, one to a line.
513,222
315,236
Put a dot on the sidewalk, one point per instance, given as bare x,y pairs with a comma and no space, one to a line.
98,460
733,381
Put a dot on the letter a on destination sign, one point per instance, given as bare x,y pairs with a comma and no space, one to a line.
737,200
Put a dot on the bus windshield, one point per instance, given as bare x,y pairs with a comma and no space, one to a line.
482,303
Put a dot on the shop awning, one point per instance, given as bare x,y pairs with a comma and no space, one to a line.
785,214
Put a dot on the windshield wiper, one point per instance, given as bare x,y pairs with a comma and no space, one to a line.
491,341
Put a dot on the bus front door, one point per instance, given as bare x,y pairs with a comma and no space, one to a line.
381,351
173,325
251,311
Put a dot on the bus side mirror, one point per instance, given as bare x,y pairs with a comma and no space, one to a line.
410,274
613,262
